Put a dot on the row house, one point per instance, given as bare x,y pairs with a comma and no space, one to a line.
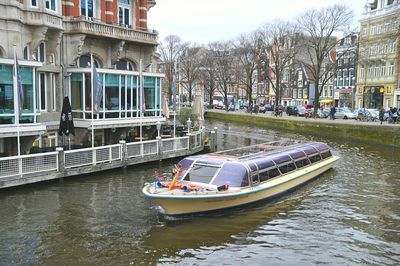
378,56
54,41
346,69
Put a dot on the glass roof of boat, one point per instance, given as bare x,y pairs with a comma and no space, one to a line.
265,160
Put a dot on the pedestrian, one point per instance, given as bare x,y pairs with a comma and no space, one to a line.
332,113
381,114
395,115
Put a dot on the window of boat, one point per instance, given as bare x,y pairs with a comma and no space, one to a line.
287,168
296,154
274,172
201,173
271,173
309,150
184,165
281,158
326,154
254,179
315,158
302,163
232,174
321,146
263,163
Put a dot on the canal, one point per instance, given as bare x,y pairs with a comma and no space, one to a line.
349,215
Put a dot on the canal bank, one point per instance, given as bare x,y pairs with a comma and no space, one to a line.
372,133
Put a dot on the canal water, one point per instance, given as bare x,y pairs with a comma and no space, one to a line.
349,215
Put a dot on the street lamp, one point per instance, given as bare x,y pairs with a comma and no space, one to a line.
158,127
189,124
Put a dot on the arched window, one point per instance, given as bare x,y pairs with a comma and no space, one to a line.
84,61
124,64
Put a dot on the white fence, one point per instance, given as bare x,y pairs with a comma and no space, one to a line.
28,164
198,136
138,149
50,161
92,156
175,144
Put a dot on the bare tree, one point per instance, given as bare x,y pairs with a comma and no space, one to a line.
170,50
277,43
189,67
319,27
222,52
208,72
246,50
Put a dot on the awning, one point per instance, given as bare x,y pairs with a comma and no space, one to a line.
326,101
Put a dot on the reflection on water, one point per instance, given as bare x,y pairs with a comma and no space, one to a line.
350,215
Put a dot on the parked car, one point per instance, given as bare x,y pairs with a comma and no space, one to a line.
344,113
291,110
300,110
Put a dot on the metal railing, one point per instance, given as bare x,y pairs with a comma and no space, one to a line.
59,160
198,136
138,149
92,156
28,164
175,144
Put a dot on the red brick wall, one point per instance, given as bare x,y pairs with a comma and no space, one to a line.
141,19
109,11
70,8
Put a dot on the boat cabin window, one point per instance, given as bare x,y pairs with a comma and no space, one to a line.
271,173
184,165
326,154
315,158
287,168
254,179
232,174
201,173
302,163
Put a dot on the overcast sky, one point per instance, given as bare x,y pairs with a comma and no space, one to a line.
204,21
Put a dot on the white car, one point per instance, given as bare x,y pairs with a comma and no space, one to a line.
345,113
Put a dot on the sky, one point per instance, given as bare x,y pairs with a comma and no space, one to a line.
205,21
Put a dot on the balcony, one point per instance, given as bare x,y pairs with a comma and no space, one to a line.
99,29
36,18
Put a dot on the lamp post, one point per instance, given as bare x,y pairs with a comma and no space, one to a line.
189,124
158,128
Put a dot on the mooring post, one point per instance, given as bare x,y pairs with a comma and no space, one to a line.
159,148
124,157
61,162
215,139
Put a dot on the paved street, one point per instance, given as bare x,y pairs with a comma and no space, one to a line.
269,115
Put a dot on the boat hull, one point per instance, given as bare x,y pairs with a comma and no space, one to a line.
180,205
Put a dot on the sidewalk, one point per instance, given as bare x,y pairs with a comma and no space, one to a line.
269,115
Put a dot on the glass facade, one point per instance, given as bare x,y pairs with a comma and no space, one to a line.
7,95
121,97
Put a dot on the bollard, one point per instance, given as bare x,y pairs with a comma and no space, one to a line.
215,139
124,155
61,162
159,148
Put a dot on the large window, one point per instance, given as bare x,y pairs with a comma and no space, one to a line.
121,96
51,5
77,94
201,173
42,90
87,8
124,12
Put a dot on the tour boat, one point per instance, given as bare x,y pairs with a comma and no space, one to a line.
210,182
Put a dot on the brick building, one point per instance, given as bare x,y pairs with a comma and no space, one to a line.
54,41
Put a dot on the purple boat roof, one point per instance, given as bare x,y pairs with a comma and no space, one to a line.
268,160
265,160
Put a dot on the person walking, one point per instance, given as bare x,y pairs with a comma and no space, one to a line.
381,114
332,113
